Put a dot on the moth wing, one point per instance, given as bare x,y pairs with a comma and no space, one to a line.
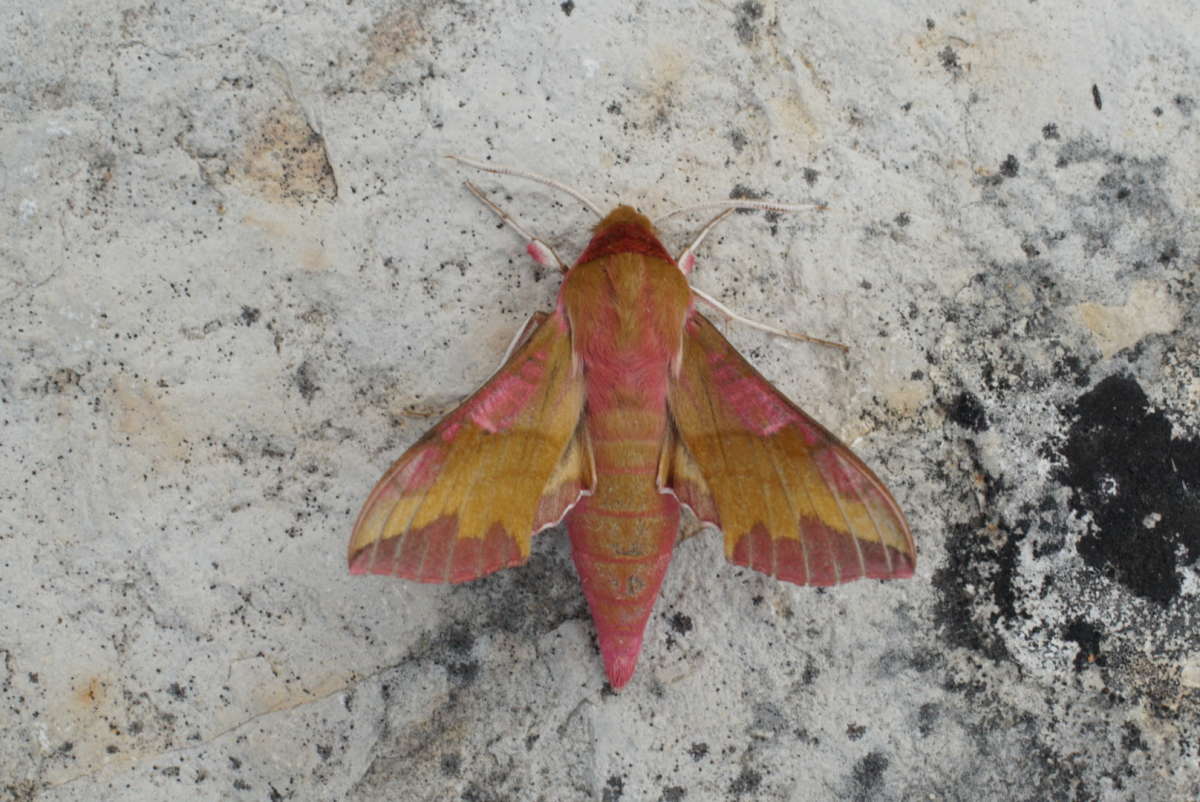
467,498
793,501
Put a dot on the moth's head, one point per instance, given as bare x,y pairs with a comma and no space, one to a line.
624,230
625,214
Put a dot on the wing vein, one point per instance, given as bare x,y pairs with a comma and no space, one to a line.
837,499
769,445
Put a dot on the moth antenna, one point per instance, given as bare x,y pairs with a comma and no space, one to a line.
733,205
541,179
540,251
754,324
687,257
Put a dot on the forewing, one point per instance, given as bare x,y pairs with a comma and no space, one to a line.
466,499
793,501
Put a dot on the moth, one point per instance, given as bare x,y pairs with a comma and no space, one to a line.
611,412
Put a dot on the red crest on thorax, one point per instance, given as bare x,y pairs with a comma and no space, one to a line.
625,230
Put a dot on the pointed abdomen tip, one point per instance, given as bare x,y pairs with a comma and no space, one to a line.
619,666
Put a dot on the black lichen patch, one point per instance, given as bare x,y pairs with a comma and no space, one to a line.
673,793
614,789
451,649
745,783
975,586
306,381
1010,167
1088,636
748,15
1136,485
950,63
967,411
927,718
681,623
868,775
698,750
567,7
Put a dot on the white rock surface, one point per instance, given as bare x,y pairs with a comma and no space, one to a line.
237,278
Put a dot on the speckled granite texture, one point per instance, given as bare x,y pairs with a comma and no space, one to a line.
237,279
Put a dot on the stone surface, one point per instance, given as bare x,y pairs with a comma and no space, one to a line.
237,279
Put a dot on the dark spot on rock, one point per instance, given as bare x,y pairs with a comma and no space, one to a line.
613,108
614,789
1131,738
927,716
967,411
855,731
747,14
567,7
1010,167
1096,97
902,219
975,587
810,175
176,690
681,623
451,649
324,751
1169,254
745,783
756,600
949,61
474,792
451,764
1088,636
234,763
1050,131
250,315
1137,484
868,775
673,793
1185,104
929,25
738,140
242,785
305,379
810,673
530,740
698,750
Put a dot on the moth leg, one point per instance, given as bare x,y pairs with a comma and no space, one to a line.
729,314
542,253
522,335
